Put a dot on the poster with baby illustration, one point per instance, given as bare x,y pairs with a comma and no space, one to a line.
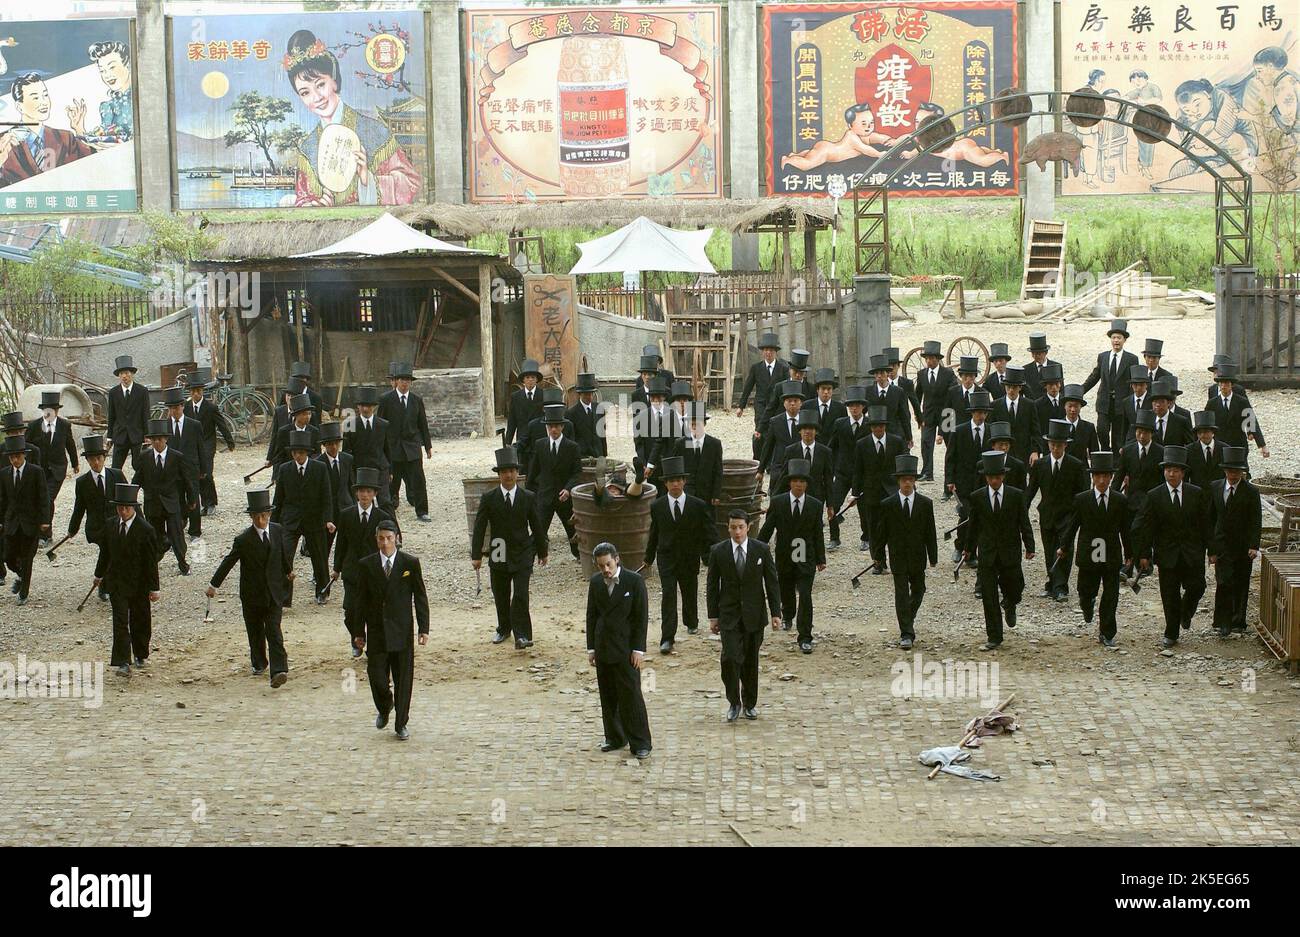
845,82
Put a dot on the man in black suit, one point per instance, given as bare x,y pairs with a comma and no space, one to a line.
827,409
340,467
1050,406
1139,463
902,381
904,539
956,411
782,432
843,440
128,570
187,441
1236,517
1020,416
301,371
932,387
367,441
742,587
999,521
301,420
409,428
393,601
884,394
819,455
128,411
1100,519
961,464
655,429
1111,373
995,384
1236,418
304,507
702,455
1038,349
282,416
1138,399
587,418
525,403
798,365
796,517
618,615
1152,352
171,489
1084,438
265,560
1171,427
681,533
1205,456
762,377
212,421
1001,440
535,434
874,457
1172,532
517,538
94,496
356,525
24,513
554,470
1058,477
51,434
647,371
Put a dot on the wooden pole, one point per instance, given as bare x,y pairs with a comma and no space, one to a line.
487,348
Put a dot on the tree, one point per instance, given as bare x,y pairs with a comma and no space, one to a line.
287,139
255,113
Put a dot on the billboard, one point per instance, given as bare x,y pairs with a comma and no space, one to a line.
1226,70
68,110
843,82
585,102
299,109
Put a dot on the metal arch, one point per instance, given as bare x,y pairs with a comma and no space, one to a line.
1232,194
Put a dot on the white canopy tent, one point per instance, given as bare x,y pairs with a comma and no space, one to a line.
386,235
645,245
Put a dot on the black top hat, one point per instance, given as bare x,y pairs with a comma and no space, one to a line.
14,420
1219,360
681,390
51,400
1154,347
174,396
929,349
658,387
300,369
1145,419
367,477
124,363
1226,372
651,348
980,400
199,377
300,439
1058,431
530,366
259,500
1052,372
1000,431
799,359
387,524
553,413
993,463
1203,419
586,384
1014,376
1103,460
552,395
299,403
878,363
1234,457
158,428
968,364
906,465
1175,456
1038,342
1073,392
402,369
1118,325
1173,384
674,466
1138,374
330,432
366,394
1162,390
808,418
126,495
855,393
825,376
295,386
791,389
649,363
506,459
999,350
769,340
877,415
15,444
892,355
798,468
93,445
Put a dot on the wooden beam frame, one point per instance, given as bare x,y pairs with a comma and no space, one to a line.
487,348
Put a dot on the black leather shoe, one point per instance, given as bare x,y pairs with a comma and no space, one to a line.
381,720
423,518
1061,596
805,646
403,734
786,626
864,546
258,671
665,647
183,569
1168,642
751,713
947,496
356,651
1109,642
141,662
1222,632
990,645
15,587
499,637
22,599
733,713
122,670
1187,624
642,754
277,680
608,746
905,642
522,644
834,544
878,571
1010,615
692,630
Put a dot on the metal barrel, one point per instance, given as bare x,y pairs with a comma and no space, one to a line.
623,521
739,490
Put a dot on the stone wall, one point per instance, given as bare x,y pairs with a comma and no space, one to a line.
612,343
168,340
453,400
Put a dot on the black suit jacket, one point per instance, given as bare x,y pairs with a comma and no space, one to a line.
279,420
1236,420
590,443
1126,415
55,456
408,426
128,417
1168,536
170,490
961,461
1108,394
760,383
98,509
263,568
820,485
738,604
211,421
1047,411
910,541
895,401
873,477
549,474
340,488
999,537
354,540
1200,472
392,605
1138,474
908,387
1026,434
684,544
521,412
302,500
843,440
994,386
519,527
934,395
776,439
1083,440
1034,378
129,565
26,508
534,436
189,444
656,437
1237,523
834,410
776,406
617,624
1057,493
368,447
703,467
1106,534
278,454
1178,431
955,408
809,531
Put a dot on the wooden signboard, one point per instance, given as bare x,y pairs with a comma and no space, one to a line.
551,326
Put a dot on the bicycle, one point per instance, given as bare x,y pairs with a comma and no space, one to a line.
248,411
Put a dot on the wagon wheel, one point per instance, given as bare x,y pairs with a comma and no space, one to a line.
913,364
970,346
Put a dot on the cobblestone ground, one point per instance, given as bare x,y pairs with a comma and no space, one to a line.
1122,746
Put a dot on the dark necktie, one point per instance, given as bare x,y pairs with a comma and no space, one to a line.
160,462
365,518
122,531
1207,455
824,409
807,453
978,444
740,560
907,508
1012,407
792,428
1151,376
388,566
966,394
51,431
510,500
1228,496
1101,501
302,470
1160,428
1177,504
334,471
1142,453
796,510
1114,368
99,482
997,501
1055,469
176,428
677,511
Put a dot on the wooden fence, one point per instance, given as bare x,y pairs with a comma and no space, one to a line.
1256,324
81,316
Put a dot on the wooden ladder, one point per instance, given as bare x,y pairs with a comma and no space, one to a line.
1044,261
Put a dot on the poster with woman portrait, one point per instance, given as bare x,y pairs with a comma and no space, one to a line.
1229,71
300,109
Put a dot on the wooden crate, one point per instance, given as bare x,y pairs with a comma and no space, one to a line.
1279,606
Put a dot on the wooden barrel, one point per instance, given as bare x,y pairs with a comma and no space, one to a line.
1085,107
476,488
739,490
1152,128
587,474
624,522
1013,106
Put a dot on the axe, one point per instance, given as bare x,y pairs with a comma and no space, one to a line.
947,534
478,582
49,554
249,476
329,585
855,581
844,510
89,592
207,615
957,569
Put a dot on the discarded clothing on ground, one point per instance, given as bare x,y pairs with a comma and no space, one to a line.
950,757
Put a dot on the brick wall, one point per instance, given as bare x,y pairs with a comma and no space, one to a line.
453,400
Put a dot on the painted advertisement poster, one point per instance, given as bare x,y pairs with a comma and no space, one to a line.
1227,70
843,82
299,109
68,113
590,102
